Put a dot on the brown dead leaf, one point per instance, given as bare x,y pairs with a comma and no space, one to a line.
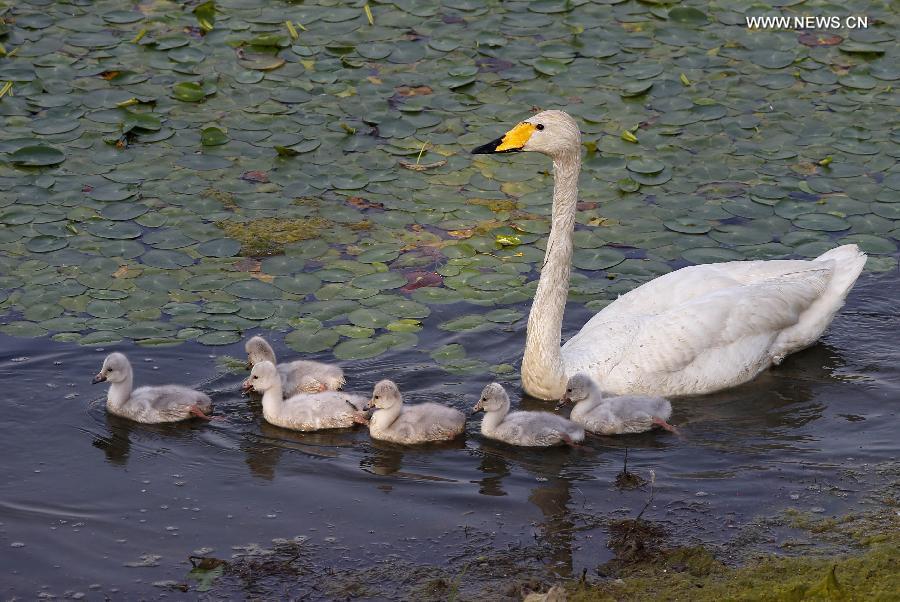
255,176
268,278
361,203
420,279
108,75
820,39
375,80
421,166
248,264
414,91
122,272
467,233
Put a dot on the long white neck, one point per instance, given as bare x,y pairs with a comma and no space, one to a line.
383,419
543,373
492,420
272,399
120,392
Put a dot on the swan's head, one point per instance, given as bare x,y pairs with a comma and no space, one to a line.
386,394
493,399
580,387
553,133
262,377
116,369
258,350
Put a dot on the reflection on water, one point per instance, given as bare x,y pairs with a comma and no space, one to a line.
167,490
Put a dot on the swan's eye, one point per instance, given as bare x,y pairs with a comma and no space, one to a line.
376,397
568,390
255,377
484,399
540,126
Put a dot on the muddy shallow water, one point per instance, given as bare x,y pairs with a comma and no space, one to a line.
96,505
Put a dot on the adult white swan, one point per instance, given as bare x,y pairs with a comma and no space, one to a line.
696,330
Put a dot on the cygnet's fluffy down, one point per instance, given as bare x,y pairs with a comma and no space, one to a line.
614,415
396,422
150,405
304,411
301,376
527,429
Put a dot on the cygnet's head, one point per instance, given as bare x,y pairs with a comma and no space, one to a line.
493,398
580,387
386,394
553,133
258,350
116,369
262,377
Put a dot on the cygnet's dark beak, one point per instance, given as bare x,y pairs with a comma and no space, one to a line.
99,379
246,387
479,407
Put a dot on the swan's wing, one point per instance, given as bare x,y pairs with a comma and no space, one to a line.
169,402
727,331
306,375
689,283
540,429
431,421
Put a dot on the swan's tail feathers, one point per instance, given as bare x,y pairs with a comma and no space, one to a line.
849,262
846,264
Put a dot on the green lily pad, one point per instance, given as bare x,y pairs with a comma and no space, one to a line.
37,156
188,92
821,221
703,255
369,318
219,337
254,289
380,281
357,349
212,136
646,166
105,309
46,244
596,259
688,225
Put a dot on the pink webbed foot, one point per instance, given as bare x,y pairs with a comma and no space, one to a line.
198,412
664,425
360,418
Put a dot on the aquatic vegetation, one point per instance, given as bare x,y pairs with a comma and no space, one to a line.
128,138
268,236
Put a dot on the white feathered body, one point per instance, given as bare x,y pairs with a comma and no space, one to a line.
621,415
313,411
418,423
709,327
152,405
531,429
304,376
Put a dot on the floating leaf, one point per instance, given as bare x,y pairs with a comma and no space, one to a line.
212,136
37,156
206,15
188,92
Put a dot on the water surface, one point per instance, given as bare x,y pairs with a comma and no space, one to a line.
88,498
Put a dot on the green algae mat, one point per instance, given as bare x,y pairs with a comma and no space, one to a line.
175,171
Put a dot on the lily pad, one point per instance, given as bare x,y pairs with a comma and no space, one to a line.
37,156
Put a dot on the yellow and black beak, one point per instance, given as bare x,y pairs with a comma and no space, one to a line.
513,141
